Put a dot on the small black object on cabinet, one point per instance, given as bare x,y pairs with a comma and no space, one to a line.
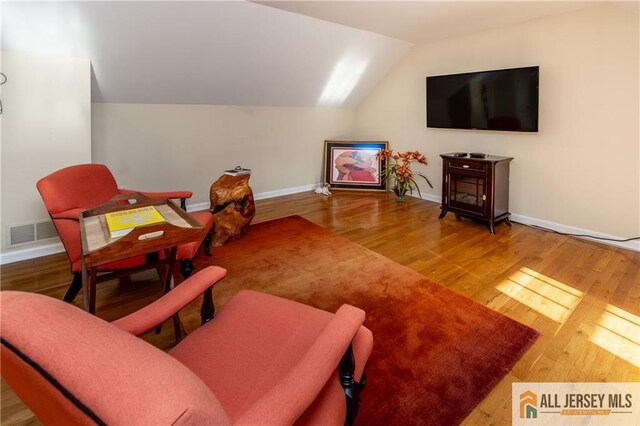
477,188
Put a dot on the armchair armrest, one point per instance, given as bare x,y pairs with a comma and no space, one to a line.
169,195
302,384
164,308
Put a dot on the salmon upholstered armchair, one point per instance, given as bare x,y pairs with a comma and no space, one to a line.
69,191
262,360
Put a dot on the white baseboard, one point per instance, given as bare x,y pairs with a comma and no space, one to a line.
197,207
30,253
429,197
565,229
261,196
286,191
33,252
39,251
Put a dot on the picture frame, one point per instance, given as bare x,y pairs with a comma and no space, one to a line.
354,165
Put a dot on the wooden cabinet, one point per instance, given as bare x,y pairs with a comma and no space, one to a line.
477,188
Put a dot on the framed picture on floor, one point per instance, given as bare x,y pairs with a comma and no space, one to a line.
354,165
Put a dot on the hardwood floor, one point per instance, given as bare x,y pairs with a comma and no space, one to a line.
582,296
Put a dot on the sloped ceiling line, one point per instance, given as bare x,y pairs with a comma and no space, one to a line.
209,53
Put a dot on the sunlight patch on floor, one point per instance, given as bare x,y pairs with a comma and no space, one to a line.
551,298
618,332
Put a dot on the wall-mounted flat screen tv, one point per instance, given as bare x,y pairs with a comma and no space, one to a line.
488,100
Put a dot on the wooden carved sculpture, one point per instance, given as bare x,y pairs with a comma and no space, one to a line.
233,206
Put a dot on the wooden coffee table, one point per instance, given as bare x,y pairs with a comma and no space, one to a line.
98,248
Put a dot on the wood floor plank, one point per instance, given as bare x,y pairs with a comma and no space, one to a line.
568,289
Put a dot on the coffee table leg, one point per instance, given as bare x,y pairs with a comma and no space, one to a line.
171,260
89,288
85,287
170,256
92,290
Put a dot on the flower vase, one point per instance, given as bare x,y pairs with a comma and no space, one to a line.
400,193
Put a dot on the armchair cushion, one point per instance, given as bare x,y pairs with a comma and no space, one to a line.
253,350
298,388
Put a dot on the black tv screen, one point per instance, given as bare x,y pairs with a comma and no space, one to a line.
487,100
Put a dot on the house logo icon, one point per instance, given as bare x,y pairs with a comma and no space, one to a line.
528,405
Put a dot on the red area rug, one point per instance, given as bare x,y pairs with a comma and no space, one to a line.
436,353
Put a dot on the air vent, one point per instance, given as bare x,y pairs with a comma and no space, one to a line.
30,233
22,234
45,230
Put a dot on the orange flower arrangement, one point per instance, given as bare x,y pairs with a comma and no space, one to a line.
403,179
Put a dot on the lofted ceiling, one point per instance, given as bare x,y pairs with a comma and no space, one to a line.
212,53
275,53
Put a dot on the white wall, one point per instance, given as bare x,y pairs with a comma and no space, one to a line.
166,147
46,125
582,168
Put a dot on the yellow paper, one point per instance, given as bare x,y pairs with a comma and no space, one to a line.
122,222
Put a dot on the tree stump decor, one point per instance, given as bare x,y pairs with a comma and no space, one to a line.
232,205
